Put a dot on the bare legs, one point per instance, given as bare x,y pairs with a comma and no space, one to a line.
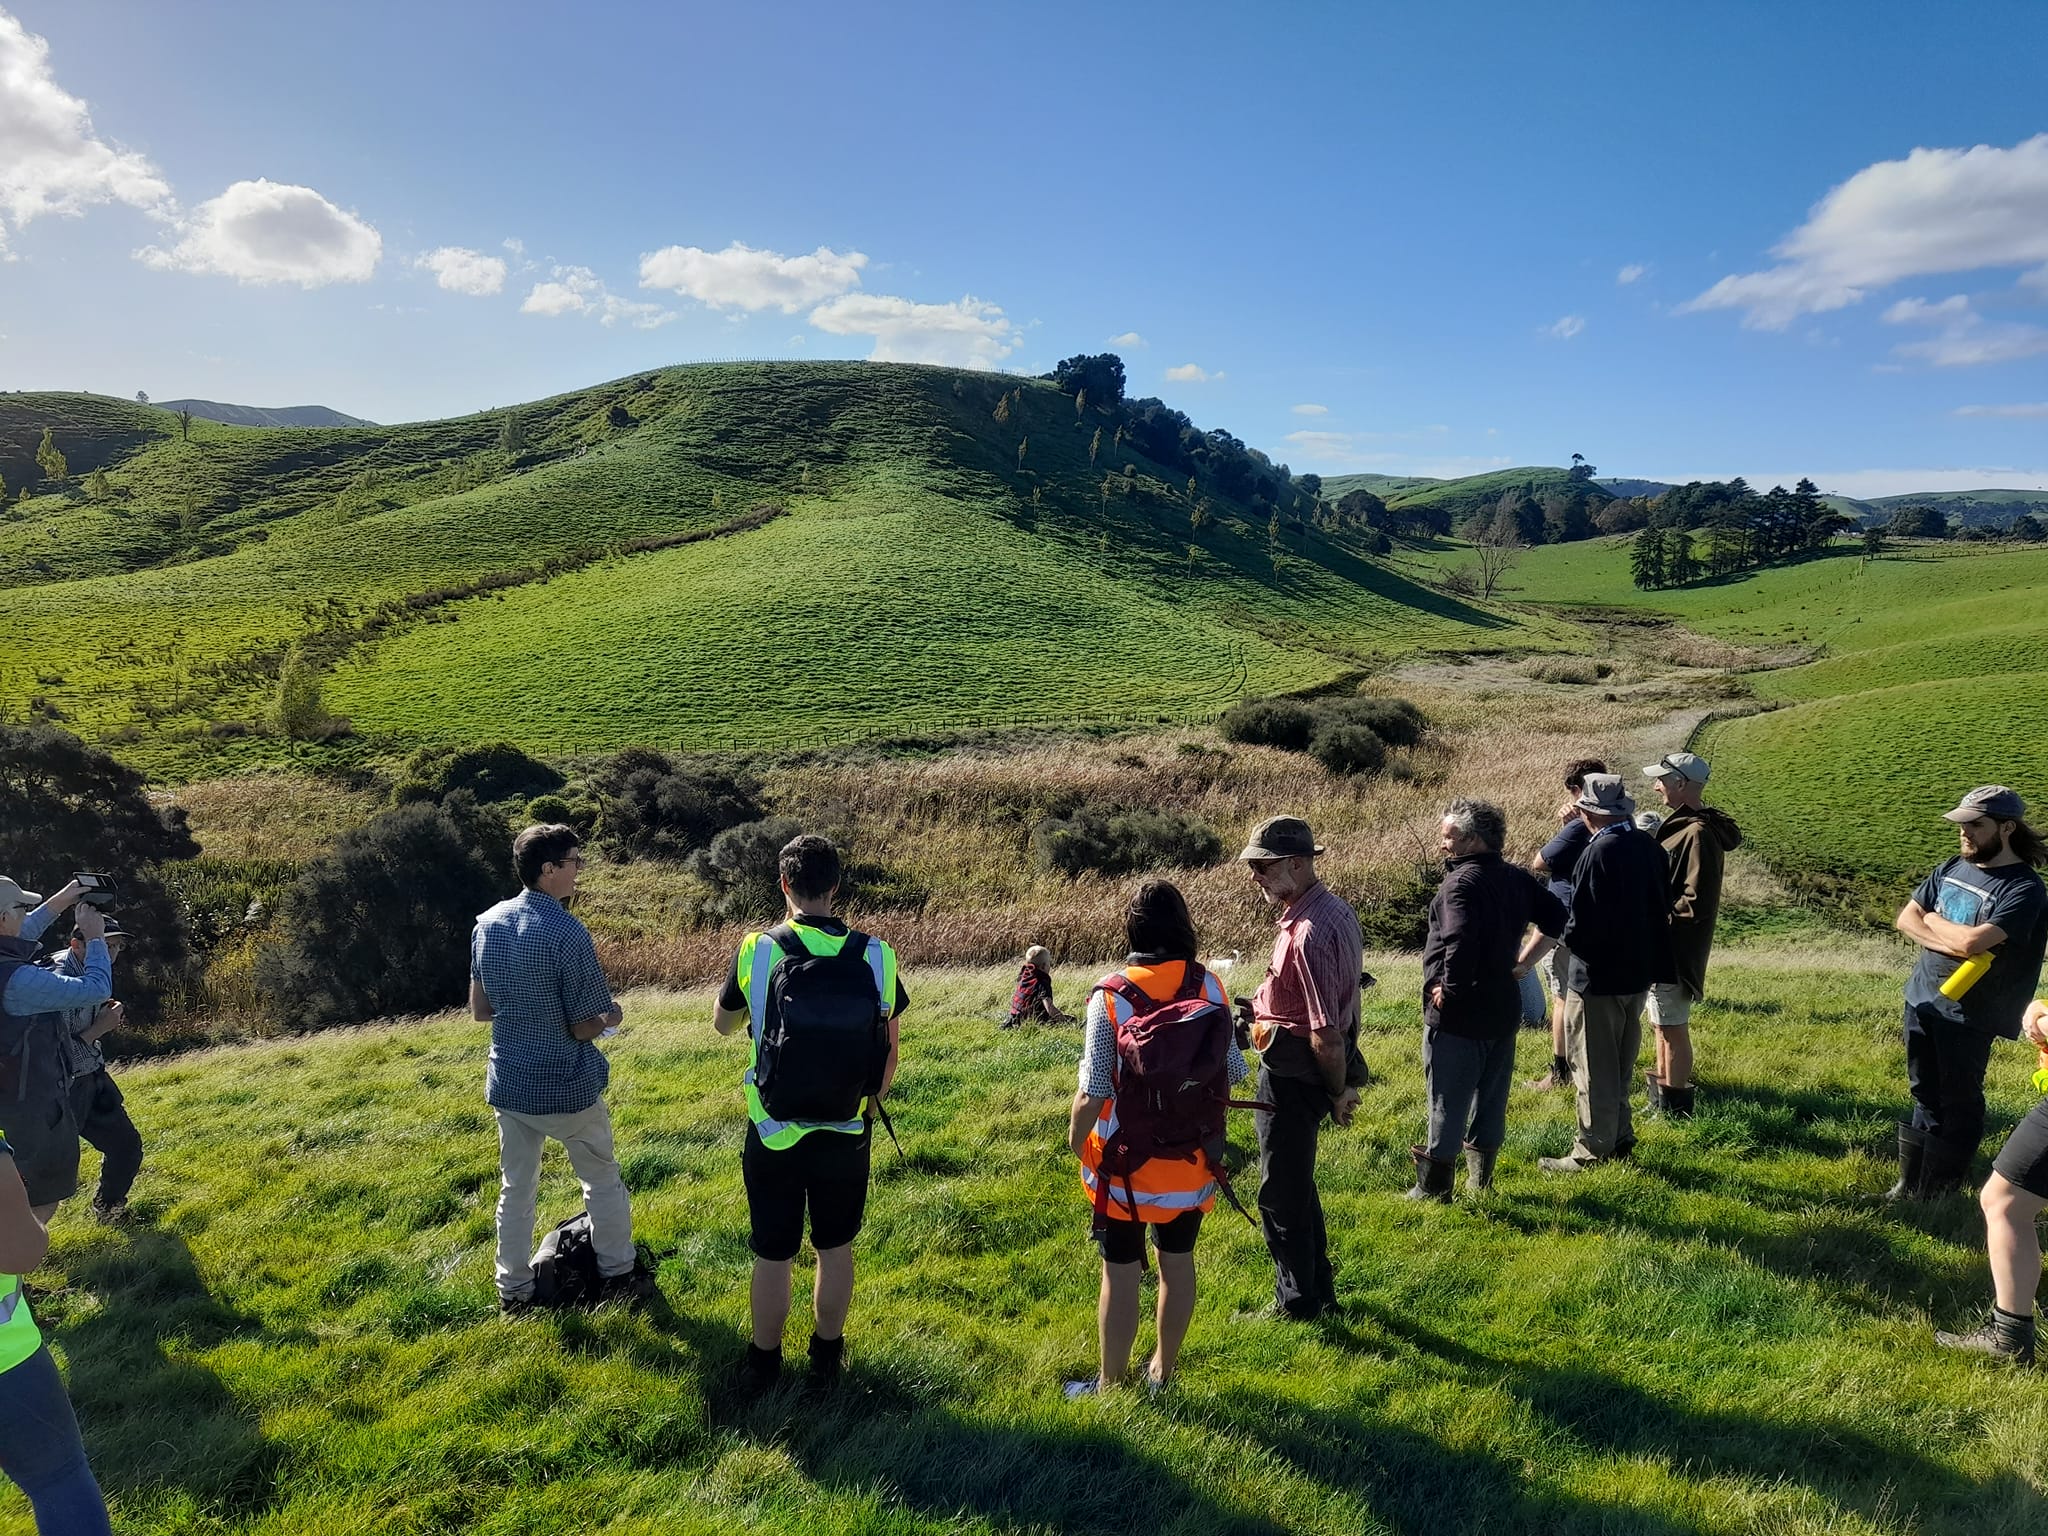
1116,1316
1674,1056
2013,1242
768,1296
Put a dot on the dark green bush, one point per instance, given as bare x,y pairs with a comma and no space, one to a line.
1122,842
1395,721
739,870
1284,723
650,805
1348,748
379,926
495,771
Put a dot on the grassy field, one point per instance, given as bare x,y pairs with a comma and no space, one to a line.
1727,1336
1017,550
1931,676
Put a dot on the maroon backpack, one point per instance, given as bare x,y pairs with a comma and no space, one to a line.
1171,1083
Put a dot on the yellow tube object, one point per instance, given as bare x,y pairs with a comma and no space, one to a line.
1966,976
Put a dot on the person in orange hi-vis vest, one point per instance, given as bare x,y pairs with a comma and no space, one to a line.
1159,1032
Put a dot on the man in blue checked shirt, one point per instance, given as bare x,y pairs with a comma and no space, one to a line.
35,1104
535,979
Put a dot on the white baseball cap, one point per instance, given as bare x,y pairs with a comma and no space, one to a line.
1679,765
13,897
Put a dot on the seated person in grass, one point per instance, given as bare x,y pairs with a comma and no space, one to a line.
2013,1199
1157,1169
1033,998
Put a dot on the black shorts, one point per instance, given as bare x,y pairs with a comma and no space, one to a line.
2024,1157
1123,1242
826,1170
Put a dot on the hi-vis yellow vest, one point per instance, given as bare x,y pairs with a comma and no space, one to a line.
757,961
19,1336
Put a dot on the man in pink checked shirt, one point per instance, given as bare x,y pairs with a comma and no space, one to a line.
1304,1023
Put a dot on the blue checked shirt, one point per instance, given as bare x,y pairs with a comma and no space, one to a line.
539,970
32,990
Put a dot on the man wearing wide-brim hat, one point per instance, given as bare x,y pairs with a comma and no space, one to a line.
1304,1023
1619,937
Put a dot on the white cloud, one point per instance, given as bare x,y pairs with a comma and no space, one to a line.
268,232
1365,450
465,271
51,160
740,277
1630,273
515,245
1937,210
1192,373
1128,339
1310,410
967,333
1920,312
579,291
2034,411
1565,327
1964,338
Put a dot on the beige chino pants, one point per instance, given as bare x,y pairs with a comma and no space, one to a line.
587,1137
1604,1035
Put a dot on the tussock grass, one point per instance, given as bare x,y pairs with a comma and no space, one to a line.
1726,1336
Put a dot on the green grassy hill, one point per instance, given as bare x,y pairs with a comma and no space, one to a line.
966,570
1932,677
1726,1336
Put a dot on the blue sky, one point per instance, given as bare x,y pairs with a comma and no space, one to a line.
1432,238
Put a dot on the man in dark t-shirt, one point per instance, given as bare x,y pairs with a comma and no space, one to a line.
1986,902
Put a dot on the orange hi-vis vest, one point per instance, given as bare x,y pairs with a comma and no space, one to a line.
1164,1188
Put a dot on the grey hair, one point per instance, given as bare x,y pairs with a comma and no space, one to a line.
1481,819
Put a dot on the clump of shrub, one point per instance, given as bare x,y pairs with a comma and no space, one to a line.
650,805
1120,842
556,811
1568,669
1345,733
1283,723
740,871
490,773
374,928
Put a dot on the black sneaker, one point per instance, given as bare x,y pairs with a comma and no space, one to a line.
515,1306
828,1360
760,1370
635,1286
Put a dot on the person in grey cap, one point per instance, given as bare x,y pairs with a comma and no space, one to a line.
1986,901
1304,1021
1696,840
1619,937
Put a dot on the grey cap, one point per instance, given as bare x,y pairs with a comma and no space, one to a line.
1281,837
1605,795
1681,765
13,896
1993,800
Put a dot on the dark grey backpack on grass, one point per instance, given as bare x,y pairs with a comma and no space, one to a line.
565,1266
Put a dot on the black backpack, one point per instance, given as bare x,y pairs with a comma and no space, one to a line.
825,1036
565,1266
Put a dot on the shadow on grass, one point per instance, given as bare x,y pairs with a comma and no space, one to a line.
1839,1460
130,1377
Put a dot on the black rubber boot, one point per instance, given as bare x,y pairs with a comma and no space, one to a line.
1479,1168
2004,1336
1677,1103
1655,1092
1912,1151
828,1356
1942,1167
1432,1179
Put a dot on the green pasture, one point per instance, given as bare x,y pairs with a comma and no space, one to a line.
970,571
1726,1336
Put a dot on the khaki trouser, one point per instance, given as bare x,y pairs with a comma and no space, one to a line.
1604,1036
587,1137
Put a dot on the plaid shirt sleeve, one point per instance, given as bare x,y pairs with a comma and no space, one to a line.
585,993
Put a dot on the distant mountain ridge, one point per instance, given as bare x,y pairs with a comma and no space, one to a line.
265,416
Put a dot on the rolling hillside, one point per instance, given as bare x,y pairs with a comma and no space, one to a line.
1461,497
662,559
1931,676
266,416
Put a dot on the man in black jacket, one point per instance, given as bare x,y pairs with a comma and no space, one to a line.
1619,935
1471,1001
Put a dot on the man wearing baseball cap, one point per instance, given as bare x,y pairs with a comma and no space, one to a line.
1696,840
1304,1022
1986,901
1619,936
35,1103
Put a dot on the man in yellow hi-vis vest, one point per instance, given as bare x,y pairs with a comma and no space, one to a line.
820,1004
